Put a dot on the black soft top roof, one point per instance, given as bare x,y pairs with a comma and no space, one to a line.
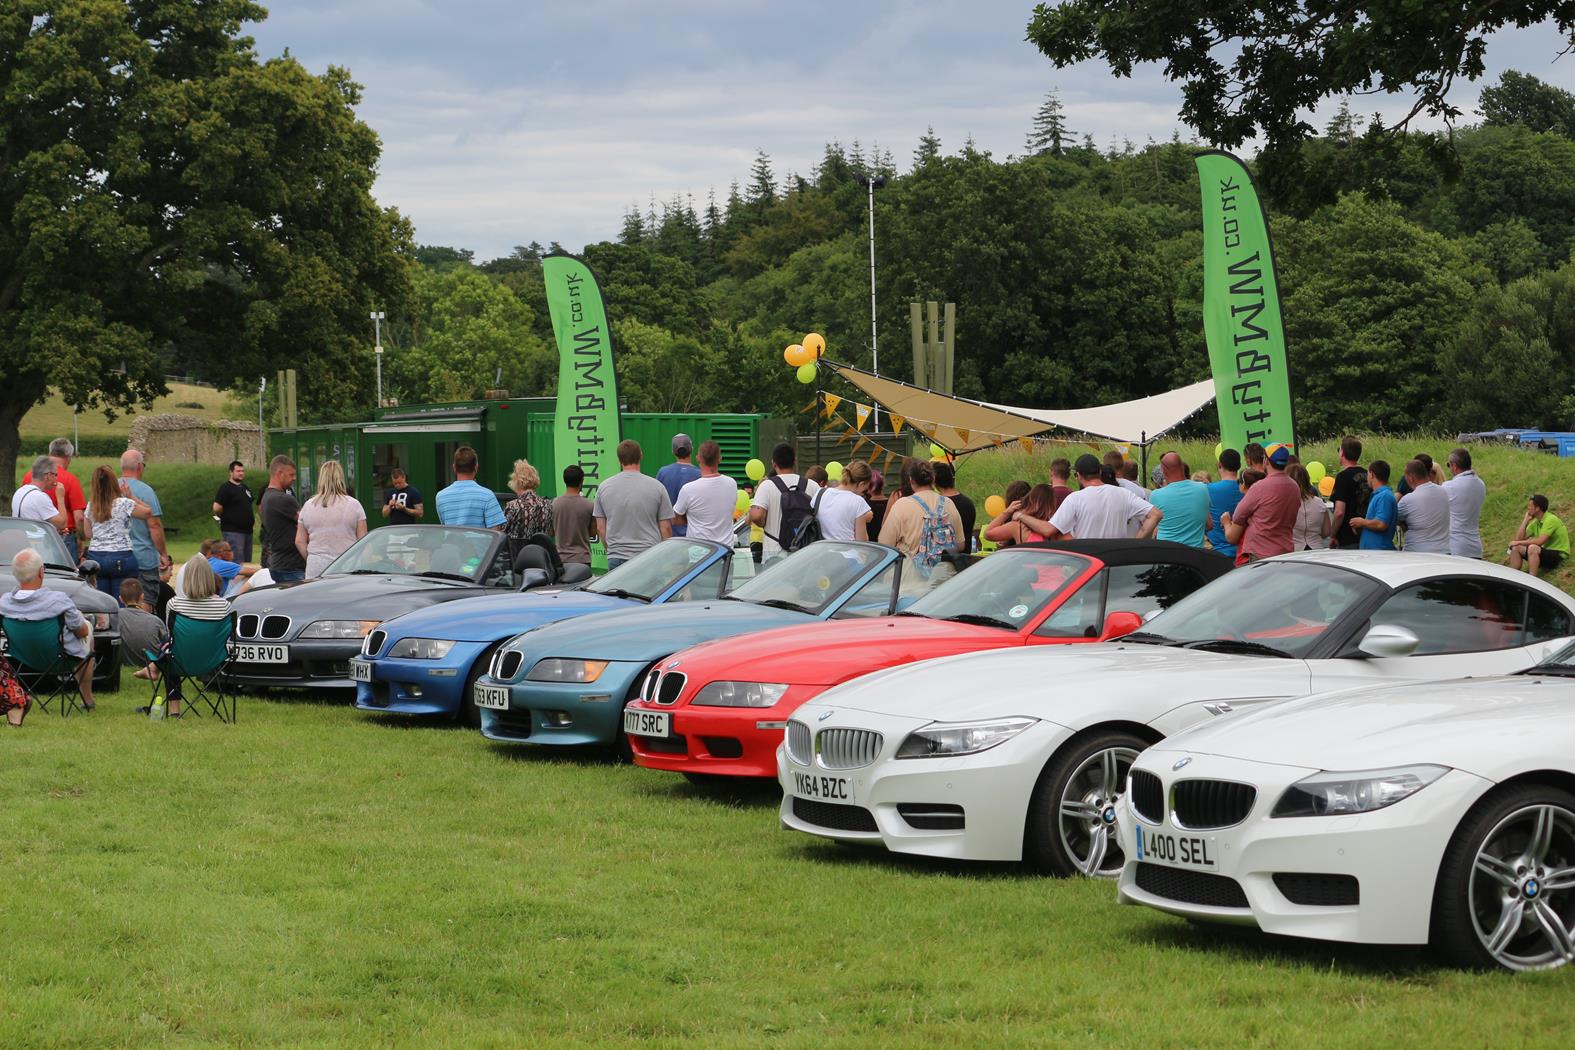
1140,552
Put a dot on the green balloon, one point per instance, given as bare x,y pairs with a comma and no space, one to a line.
807,372
834,470
754,470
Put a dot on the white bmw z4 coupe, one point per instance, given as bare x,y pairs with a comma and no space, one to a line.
1023,754
1438,813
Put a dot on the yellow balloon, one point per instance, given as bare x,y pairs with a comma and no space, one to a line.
1316,472
796,356
834,470
1326,486
994,505
807,372
936,451
754,470
815,345
743,502
1219,446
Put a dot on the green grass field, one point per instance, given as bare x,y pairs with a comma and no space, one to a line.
54,417
315,877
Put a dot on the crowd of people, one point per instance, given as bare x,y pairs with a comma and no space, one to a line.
1259,502
1264,503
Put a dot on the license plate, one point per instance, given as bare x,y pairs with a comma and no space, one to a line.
647,723
493,697
822,787
251,653
1177,851
360,671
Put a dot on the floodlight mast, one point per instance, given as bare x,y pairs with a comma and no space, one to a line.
377,348
873,182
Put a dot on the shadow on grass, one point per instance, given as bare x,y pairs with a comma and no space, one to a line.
1251,945
559,755
878,858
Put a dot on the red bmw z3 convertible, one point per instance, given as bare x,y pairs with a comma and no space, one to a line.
720,708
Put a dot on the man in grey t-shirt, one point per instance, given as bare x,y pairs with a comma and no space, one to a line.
1424,513
633,512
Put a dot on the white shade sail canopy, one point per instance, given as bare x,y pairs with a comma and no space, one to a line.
959,424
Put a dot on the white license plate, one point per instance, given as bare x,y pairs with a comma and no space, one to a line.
1177,851
823,788
360,671
647,723
493,697
251,653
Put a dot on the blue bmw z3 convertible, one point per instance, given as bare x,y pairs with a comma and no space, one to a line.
425,662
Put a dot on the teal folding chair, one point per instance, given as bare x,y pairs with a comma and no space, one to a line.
43,666
199,653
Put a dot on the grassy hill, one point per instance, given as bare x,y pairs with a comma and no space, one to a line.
1511,475
53,418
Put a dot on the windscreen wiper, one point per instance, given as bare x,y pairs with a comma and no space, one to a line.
1146,638
434,575
618,592
980,620
1236,645
781,603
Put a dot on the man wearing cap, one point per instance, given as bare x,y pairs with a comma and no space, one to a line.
1262,523
679,473
1096,511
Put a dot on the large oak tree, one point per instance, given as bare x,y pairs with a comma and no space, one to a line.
168,201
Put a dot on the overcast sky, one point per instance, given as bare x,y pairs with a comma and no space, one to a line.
505,122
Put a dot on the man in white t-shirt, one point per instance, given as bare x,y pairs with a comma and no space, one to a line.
766,510
706,504
33,500
1098,511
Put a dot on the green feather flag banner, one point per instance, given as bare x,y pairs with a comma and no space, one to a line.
1241,308
587,428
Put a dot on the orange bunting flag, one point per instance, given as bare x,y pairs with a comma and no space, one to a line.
1027,443
809,407
897,422
860,414
963,433
850,433
995,440
832,401
860,443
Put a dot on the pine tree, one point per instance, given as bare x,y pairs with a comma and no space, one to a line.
1049,134
762,183
1342,126
633,231
929,148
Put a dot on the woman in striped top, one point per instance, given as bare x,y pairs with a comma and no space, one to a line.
201,601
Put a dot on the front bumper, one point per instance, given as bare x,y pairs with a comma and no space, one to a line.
720,741
1364,878
570,715
314,664
971,807
420,687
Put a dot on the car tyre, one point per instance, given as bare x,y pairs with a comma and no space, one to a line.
1505,897
1071,816
469,715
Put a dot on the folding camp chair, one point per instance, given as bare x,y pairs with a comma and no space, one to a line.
42,663
199,653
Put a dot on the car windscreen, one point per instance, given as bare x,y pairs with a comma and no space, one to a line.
421,550
810,579
651,572
17,534
1007,589
1287,607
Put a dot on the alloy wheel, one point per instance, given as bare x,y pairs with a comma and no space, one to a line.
1522,888
1086,818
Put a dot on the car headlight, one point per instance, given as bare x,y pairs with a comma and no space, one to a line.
739,694
339,628
944,739
1335,794
577,671
420,648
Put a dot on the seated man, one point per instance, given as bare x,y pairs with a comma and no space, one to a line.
30,601
228,569
1542,542
140,631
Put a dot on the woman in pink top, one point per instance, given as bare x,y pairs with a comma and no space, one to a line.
330,522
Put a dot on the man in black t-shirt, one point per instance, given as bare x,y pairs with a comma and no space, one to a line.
232,504
1350,493
280,514
403,504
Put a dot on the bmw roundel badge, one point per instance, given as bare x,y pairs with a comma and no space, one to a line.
825,715
1182,763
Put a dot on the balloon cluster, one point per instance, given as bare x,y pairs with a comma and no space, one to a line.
803,356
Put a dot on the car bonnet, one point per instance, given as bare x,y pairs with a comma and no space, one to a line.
649,633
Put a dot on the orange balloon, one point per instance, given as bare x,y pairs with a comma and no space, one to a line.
796,355
1326,486
815,344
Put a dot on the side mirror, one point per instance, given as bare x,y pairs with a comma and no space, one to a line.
532,578
1121,623
1388,641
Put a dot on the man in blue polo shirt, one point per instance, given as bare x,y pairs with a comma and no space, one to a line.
1376,529
1224,494
465,502
1185,504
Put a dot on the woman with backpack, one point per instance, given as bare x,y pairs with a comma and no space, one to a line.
926,528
